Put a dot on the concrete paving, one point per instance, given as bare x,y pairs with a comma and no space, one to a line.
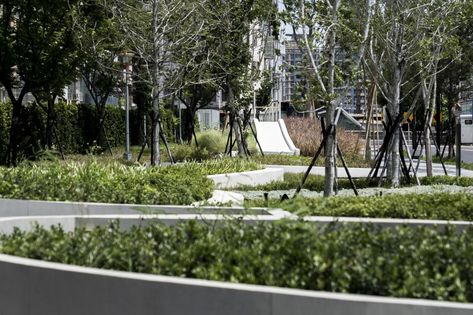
363,172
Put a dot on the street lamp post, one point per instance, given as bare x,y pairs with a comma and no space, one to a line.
126,62
458,128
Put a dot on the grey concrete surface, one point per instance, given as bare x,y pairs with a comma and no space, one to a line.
27,223
15,207
251,178
363,172
30,287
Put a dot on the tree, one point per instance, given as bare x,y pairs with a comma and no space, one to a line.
458,75
104,47
438,43
404,60
37,54
393,43
318,28
153,30
240,30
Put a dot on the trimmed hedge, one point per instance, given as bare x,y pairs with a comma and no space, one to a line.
439,206
77,128
113,183
316,182
402,262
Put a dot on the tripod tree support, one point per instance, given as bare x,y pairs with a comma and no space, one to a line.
331,129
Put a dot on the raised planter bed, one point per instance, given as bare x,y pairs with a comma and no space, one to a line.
31,287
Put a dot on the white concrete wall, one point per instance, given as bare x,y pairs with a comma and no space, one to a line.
251,178
15,208
30,287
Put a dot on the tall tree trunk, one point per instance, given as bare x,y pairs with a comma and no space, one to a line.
393,107
15,130
236,117
331,106
430,103
15,127
191,126
369,120
50,121
157,86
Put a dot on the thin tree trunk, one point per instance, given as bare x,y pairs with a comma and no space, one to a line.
369,120
429,118
157,86
51,118
330,114
393,167
13,146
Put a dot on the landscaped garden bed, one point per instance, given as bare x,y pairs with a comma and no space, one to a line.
316,183
437,206
402,262
93,181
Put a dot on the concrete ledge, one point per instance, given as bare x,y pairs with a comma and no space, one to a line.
390,223
70,222
318,170
31,287
16,208
251,178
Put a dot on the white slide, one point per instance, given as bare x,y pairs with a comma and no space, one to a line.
274,138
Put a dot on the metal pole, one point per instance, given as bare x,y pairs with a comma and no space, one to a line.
458,146
254,104
127,155
145,132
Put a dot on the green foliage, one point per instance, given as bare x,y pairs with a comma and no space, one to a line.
439,206
212,141
75,125
447,180
223,166
400,262
313,183
112,182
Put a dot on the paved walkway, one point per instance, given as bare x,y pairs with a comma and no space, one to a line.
363,172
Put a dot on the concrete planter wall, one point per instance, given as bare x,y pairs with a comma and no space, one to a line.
251,178
30,287
35,287
15,208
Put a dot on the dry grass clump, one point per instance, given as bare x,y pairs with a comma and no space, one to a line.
306,133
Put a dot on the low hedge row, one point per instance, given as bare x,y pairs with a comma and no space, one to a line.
76,127
352,160
316,182
402,262
107,182
438,206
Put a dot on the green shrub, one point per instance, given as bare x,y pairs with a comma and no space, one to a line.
212,141
447,180
440,206
222,166
313,182
399,262
282,159
101,182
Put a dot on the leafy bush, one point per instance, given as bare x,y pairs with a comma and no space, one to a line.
440,206
99,182
400,262
447,180
313,182
222,166
211,141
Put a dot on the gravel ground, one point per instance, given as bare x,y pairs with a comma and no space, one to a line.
275,194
